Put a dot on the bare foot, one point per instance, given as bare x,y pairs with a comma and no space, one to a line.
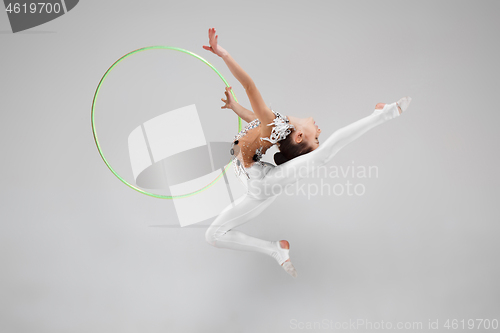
285,245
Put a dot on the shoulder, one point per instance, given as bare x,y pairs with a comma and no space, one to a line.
280,127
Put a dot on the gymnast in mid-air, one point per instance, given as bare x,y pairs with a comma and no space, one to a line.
300,154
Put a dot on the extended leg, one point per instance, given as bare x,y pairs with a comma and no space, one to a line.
300,167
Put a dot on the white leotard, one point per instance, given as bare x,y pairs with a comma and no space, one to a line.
265,178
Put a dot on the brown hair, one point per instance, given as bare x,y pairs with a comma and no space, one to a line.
289,149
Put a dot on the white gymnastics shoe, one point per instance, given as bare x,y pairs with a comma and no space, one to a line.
393,110
403,103
288,267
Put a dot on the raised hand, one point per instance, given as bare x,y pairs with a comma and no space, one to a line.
214,46
230,102
245,114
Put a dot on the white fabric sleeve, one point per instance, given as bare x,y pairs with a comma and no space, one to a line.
302,166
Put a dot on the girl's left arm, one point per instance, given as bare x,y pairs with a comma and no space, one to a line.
242,112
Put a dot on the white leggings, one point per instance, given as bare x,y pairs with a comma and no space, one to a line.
266,182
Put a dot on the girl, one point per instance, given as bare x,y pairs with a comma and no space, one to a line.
299,155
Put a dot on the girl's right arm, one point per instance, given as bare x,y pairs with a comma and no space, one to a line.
259,107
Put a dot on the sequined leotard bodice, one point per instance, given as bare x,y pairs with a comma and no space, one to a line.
248,147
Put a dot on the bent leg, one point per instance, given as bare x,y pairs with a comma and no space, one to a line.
221,235
304,165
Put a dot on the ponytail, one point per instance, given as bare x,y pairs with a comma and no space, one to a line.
279,158
289,150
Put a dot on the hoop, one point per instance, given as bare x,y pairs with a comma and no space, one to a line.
97,140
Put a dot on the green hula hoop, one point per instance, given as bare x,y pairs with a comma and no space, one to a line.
97,140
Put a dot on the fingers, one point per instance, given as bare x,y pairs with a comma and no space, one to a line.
226,102
212,37
208,49
228,93
211,33
228,99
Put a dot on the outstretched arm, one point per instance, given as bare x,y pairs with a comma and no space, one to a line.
261,110
238,72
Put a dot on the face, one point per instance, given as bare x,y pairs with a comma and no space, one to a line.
307,131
